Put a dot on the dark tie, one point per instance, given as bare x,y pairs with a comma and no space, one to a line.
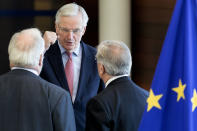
69,70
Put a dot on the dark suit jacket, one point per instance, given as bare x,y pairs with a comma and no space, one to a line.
89,80
29,103
118,108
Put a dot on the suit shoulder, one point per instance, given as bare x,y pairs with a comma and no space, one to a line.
52,88
122,87
3,75
53,49
141,91
55,93
89,48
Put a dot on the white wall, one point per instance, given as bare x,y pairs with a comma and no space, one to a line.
115,20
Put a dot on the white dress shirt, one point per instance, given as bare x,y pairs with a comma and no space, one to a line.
76,59
114,78
27,69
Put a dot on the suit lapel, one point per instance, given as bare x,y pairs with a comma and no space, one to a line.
86,60
55,59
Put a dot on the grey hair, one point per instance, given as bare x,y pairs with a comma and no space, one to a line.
72,9
25,48
115,57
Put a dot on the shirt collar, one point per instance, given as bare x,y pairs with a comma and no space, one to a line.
114,78
27,69
75,52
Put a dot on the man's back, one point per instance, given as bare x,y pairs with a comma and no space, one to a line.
29,103
118,108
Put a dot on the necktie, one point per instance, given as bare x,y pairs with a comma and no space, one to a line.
69,72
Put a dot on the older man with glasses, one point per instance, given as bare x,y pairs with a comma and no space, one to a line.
70,63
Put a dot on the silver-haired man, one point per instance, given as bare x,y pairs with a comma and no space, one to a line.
70,63
29,103
120,106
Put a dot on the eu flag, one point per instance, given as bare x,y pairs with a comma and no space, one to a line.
172,102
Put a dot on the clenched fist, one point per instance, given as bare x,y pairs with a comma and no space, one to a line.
49,38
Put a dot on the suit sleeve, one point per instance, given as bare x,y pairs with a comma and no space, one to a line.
63,117
96,117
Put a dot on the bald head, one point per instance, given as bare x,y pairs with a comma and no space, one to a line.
25,48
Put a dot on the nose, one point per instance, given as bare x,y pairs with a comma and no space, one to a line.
70,35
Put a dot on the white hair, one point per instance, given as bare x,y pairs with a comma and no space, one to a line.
115,57
25,48
72,9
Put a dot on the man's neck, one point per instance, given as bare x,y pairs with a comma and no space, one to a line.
31,69
113,78
106,77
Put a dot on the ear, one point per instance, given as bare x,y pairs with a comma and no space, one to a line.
101,69
41,60
84,30
56,28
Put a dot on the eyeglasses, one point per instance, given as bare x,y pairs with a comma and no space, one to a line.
74,31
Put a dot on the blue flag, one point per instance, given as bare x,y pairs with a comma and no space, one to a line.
172,102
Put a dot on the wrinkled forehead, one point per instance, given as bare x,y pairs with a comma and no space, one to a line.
70,21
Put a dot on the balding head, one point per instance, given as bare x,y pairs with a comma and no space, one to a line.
115,56
25,48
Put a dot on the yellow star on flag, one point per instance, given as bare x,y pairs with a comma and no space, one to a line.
153,101
180,91
194,100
